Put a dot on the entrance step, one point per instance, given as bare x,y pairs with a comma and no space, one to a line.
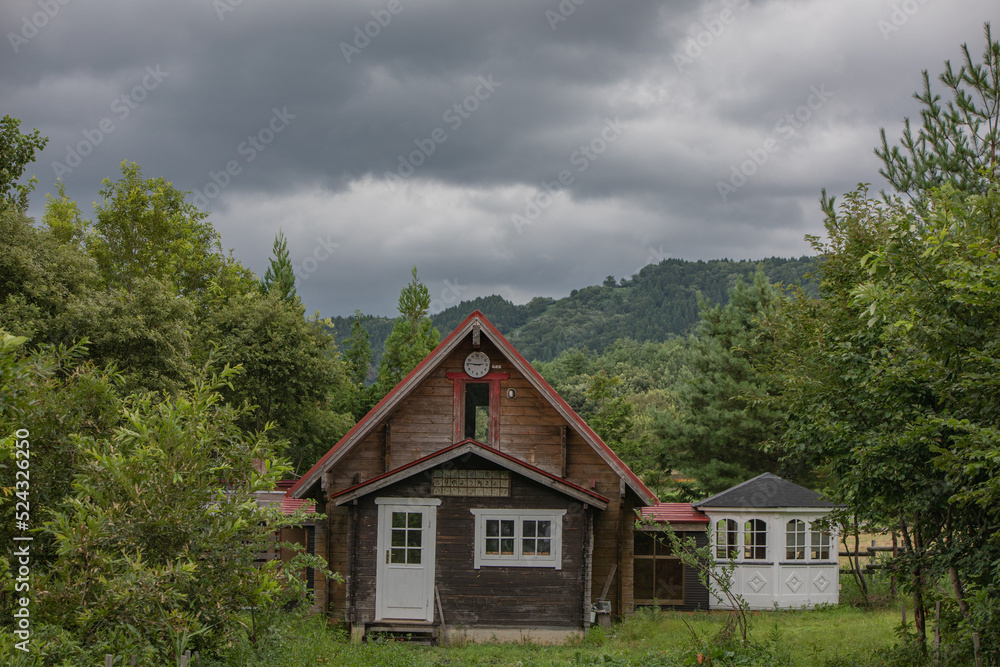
408,631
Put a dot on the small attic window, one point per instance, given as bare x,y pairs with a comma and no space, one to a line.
477,411
477,407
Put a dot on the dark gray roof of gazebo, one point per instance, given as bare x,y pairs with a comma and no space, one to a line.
766,490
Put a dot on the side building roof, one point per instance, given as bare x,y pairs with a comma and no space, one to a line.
765,490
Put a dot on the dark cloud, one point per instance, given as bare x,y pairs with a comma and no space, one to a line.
488,104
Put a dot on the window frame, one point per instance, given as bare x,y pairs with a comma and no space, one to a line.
654,557
754,545
458,419
517,559
815,533
732,549
796,530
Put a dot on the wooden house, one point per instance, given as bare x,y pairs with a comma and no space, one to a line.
785,552
473,496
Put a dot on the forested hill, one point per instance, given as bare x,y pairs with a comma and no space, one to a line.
659,302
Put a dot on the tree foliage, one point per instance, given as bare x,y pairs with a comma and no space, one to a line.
279,277
958,143
156,548
720,435
292,371
17,151
146,227
413,337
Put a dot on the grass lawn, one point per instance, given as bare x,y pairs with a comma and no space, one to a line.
835,635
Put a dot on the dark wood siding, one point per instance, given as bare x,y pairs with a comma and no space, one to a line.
490,596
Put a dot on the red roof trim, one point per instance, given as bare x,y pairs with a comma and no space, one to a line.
523,364
673,513
470,441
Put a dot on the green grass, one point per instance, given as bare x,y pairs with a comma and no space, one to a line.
833,635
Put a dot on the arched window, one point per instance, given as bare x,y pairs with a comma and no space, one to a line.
755,540
795,540
726,542
820,543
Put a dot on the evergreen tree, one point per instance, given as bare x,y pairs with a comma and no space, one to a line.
413,337
357,362
724,424
279,276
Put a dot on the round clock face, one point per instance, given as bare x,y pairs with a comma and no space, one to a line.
477,364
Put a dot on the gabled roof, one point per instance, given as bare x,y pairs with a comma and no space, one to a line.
406,386
672,513
479,449
765,490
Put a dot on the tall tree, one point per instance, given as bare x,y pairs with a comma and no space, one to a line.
890,378
357,363
721,433
17,151
291,371
279,277
413,337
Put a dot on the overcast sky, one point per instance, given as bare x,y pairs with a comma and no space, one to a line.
519,148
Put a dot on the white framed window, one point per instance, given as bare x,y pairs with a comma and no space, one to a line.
726,539
795,540
518,538
755,540
819,543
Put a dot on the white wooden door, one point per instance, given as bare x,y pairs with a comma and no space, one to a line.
404,585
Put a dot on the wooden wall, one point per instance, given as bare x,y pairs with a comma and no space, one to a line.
489,596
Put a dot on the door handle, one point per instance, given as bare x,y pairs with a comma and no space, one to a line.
386,556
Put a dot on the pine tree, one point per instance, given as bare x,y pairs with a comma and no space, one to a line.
720,433
413,337
279,276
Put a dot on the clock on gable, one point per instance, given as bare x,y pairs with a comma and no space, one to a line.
477,364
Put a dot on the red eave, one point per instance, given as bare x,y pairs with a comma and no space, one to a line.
673,513
495,452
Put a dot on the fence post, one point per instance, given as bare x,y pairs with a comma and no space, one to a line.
975,645
109,660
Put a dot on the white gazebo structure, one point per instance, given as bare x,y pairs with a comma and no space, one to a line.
785,555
